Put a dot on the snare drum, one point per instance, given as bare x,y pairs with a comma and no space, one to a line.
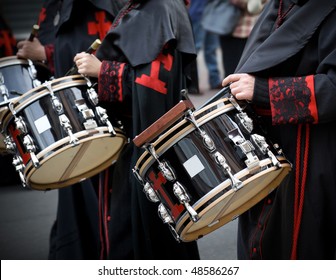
17,76
208,168
58,134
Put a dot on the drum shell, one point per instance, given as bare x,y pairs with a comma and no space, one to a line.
17,78
44,126
194,166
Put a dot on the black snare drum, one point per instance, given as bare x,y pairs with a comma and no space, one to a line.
17,76
59,135
207,169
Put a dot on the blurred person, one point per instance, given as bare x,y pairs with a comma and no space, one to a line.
206,41
287,74
232,45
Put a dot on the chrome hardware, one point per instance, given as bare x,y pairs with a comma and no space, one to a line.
87,114
147,188
19,167
207,141
65,123
239,140
56,103
3,88
184,199
20,124
263,147
31,149
163,166
92,96
167,219
220,160
150,193
101,112
33,73
164,214
10,144
137,176
245,122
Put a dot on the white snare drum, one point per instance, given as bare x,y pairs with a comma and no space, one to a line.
58,134
209,168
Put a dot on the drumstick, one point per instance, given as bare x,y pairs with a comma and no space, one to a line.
94,46
33,33
163,123
218,95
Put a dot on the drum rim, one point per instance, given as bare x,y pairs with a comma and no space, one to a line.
146,159
19,61
184,222
61,145
36,94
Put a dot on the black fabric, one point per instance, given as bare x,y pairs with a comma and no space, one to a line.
303,46
150,38
7,40
149,238
75,234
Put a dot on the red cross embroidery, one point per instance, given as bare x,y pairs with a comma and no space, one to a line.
158,183
7,41
153,81
101,26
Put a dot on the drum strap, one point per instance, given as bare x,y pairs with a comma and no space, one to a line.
299,186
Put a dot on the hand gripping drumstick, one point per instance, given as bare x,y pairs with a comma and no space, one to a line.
94,46
33,33
163,123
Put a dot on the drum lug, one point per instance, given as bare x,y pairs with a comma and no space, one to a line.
184,199
87,114
147,188
239,140
33,73
92,96
220,160
19,167
263,147
245,122
207,141
10,144
101,112
163,166
21,125
31,149
150,193
65,123
3,88
167,219
56,104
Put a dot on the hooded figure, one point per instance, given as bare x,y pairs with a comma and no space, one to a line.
143,66
291,57
76,24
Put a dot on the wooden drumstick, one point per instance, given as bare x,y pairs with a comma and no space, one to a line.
33,33
94,46
163,123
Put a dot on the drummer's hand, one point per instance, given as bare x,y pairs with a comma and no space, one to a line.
33,50
241,85
87,64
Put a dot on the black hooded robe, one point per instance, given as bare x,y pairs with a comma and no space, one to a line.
295,94
76,231
144,58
